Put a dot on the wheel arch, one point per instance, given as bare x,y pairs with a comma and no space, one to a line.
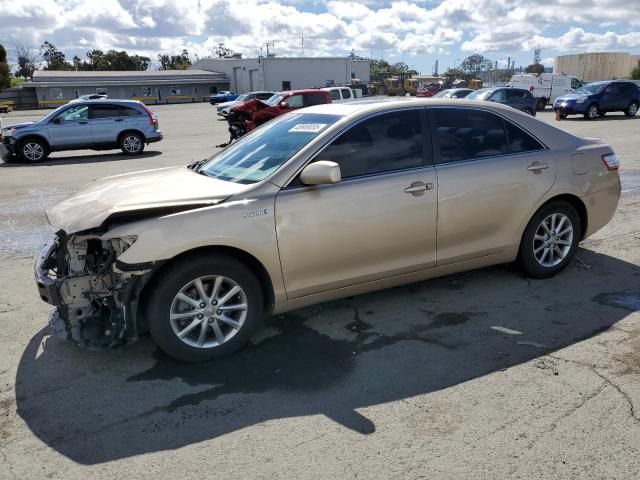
246,258
573,200
36,136
131,130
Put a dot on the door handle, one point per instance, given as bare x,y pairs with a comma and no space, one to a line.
119,119
537,167
418,188
83,123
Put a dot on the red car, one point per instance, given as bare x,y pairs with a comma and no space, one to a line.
429,90
249,115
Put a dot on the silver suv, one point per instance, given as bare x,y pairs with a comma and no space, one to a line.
92,124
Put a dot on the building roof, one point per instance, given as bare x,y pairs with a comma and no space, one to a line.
54,78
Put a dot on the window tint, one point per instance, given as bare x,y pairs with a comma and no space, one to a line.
105,111
129,112
392,141
611,89
313,99
335,94
346,93
294,101
464,134
520,141
517,94
264,95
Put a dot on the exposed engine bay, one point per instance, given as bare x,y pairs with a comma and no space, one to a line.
95,301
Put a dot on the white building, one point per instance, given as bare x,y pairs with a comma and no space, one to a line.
286,73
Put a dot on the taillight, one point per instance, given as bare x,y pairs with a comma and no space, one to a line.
152,120
611,161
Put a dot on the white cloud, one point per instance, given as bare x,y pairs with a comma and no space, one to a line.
329,28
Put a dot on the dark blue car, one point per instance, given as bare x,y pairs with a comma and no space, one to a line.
224,96
597,98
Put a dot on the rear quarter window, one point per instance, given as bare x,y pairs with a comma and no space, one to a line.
314,99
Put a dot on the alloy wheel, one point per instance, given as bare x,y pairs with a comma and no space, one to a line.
33,151
132,144
592,112
553,240
208,311
633,109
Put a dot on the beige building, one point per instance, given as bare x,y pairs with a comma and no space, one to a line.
590,67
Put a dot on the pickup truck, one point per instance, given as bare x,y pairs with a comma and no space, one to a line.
223,96
249,115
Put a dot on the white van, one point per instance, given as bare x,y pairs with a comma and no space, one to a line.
340,94
545,87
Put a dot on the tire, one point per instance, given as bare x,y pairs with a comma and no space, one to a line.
131,143
541,104
532,258
220,337
632,109
592,112
563,115
33,150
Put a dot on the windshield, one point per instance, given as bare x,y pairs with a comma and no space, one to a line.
256,156
444,94
591,88
481,94
274,100
52,114
240,98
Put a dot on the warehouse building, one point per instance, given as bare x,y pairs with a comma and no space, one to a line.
286,73
590,67
53,88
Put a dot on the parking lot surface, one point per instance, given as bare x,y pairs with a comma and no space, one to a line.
484,374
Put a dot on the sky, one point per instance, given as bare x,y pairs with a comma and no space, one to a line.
418,33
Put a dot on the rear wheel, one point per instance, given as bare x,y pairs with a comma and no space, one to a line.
33,150
132,143
592,112
541,104
204,308
632,109
550,240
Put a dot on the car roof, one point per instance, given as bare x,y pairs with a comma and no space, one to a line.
108,100
304,90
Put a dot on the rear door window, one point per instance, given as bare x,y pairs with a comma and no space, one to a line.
104,111
384,143
346,93
314,99
465,134
129,112
516,94
520,141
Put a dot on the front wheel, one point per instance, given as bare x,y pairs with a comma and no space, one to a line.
592,112
132,143
204,308
550,240
33,150
632,109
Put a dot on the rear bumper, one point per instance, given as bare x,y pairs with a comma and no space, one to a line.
601,206
156,137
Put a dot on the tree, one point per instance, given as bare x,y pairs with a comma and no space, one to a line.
223,51
55,59
475,64
26,61
535,68
635,72
175,62
113,60
5,74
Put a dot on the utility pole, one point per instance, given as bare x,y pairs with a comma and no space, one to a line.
271,44
302,44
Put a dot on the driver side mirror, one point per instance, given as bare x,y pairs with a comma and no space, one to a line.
56,120
322,172
284,105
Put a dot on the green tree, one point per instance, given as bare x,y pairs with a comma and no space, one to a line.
54,58
635,72
535,68
113,60
26,61
175,62
474,64
5,74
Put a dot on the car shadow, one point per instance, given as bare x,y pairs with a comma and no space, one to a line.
607,117
332,359
72,160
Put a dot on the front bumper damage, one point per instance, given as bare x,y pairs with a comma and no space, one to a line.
96,297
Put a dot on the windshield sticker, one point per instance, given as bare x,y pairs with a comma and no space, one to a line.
308,127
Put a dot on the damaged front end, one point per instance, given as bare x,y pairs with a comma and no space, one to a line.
96,296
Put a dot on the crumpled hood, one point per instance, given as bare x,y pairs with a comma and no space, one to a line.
136,192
